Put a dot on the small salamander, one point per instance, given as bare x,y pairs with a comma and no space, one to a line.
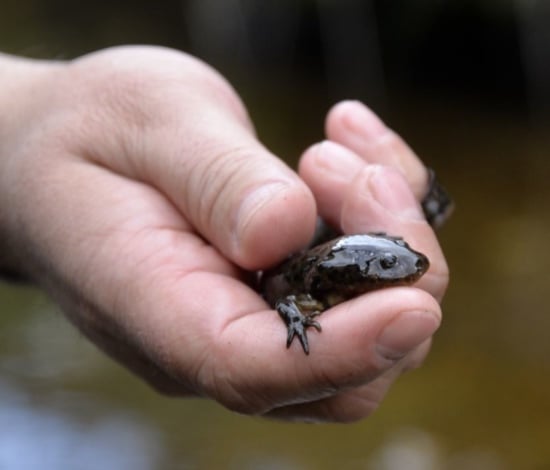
310,282
333,271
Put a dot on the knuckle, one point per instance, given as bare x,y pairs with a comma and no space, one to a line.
122,95
222,380
239,401
212,185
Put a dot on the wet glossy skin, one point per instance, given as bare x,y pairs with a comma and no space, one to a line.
310,282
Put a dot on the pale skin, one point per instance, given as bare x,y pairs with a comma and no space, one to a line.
134,190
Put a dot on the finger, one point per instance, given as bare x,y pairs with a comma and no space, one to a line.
360,340
328,168
380,200
355,403
344,407
353,125
177,127
236,194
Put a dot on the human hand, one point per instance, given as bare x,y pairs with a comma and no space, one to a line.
134,191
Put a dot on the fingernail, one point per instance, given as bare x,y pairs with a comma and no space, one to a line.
406,332
392,191
337,160
254,202
363,122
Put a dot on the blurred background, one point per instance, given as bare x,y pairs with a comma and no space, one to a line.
467,84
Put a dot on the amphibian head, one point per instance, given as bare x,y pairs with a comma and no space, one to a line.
354,264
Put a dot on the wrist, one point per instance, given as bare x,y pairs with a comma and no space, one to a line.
22,85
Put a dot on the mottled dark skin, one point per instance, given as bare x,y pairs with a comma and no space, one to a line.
308,283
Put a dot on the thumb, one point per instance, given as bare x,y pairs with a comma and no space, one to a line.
194,143
233,191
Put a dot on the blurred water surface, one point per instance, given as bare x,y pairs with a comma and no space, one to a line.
481,401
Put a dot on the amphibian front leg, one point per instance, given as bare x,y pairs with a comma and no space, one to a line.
298,312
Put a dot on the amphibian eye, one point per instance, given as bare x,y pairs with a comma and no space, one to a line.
388,260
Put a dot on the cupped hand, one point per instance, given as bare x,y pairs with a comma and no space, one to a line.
134,190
